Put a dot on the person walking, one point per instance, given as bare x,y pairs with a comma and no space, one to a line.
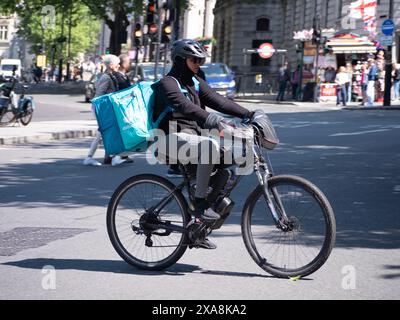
107,83
341,81
372,77
349,71
364,82
283,78
295,82
396,81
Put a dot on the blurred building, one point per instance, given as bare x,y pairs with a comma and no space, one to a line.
197,22
239,25
8,27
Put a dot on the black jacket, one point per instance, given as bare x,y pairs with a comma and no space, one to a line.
190,113
123,80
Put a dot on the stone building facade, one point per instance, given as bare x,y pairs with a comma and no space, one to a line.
242,25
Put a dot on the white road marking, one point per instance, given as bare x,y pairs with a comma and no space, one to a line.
357,133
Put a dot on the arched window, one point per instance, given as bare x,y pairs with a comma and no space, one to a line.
263,24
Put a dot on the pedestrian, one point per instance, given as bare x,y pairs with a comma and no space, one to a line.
341,82
330,74
283,78
364,82
396,81
349,71
37,74
372,77
121,74
106,84
295,82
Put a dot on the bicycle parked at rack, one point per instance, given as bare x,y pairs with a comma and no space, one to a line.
13,108
288,225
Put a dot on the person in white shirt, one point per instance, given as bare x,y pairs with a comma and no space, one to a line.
341,80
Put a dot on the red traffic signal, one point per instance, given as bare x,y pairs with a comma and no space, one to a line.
153,28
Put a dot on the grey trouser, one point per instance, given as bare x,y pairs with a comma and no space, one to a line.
194,149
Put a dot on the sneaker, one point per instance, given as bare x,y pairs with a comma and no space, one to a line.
127,159
209,217
174,173
89,161
206,244
117,160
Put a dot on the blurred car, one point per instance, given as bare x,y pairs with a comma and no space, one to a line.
146,71
90,87
220,78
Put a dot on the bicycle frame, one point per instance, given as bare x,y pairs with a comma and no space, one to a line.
263,171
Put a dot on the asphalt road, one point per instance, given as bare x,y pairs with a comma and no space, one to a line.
52,213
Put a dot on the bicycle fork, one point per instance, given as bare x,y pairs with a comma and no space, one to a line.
281,220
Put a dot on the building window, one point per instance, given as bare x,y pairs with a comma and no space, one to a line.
303,14
263,24
3,33
256,60
221,45
340,6
326,13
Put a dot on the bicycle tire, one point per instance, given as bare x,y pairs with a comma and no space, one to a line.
26,119
111,228
330,226
5,122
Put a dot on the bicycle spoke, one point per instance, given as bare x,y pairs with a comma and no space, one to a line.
292,249
133,203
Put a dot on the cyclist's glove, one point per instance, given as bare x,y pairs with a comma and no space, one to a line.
258,114
214,121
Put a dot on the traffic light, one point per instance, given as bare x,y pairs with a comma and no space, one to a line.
138,34
150,12
166,33
316,38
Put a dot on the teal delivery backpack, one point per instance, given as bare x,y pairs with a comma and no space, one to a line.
125,118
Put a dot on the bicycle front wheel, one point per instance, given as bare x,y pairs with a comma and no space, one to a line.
27,114
152,243
305,246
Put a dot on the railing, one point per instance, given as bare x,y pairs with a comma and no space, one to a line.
258,84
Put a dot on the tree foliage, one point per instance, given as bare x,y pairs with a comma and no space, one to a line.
42,30
86,18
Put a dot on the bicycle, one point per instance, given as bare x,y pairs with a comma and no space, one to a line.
12,108
288,225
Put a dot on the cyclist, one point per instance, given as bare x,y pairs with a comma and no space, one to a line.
189,114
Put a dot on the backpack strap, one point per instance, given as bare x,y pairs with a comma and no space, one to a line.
114,80
169,109
196,84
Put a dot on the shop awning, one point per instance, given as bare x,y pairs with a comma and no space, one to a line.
350,43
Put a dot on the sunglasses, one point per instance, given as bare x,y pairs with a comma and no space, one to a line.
197,60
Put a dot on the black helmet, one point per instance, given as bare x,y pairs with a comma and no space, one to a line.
268,139
187,48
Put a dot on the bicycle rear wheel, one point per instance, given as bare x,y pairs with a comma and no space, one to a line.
306,245
7,117
131,229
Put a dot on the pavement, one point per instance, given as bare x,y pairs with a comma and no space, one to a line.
54,242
